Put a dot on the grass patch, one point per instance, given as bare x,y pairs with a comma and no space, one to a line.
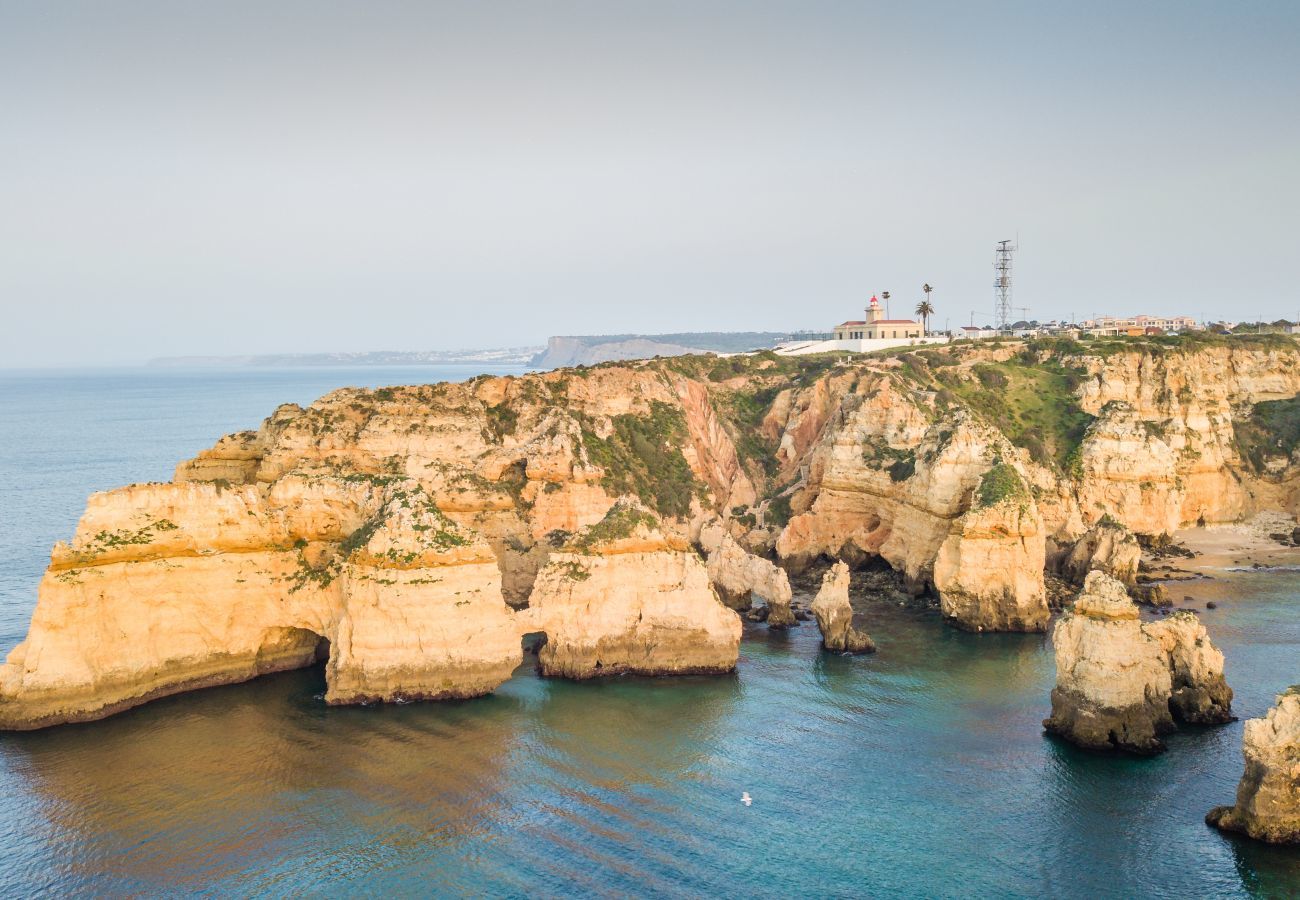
1000,484
643,457
1034,404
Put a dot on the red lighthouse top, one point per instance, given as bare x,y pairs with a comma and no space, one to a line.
874,301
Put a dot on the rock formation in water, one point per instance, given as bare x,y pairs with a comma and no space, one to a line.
738,575
1199,695
1268,795
1120,684
957,467
835,615
623,597
1107,547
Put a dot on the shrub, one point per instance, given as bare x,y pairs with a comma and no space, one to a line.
1000,484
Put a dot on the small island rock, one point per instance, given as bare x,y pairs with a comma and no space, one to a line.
835,615
1268,795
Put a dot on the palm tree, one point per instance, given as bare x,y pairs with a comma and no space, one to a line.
924,309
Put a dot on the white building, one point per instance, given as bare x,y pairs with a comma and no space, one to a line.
875,327
875,332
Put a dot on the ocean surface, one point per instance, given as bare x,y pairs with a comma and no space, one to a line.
921,771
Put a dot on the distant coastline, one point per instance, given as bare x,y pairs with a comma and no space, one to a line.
505,356
568,350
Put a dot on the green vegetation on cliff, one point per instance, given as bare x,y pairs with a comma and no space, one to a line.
643,457
621,521
1035,404
1001,483
1272,430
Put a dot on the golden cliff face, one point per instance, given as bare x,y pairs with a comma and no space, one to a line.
623,597
898,476
311,535
1163,453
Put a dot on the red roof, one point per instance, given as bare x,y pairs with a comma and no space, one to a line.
896,322
842,324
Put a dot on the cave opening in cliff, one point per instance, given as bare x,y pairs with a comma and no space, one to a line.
287,648
532,643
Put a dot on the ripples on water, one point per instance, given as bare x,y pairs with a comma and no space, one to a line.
920,771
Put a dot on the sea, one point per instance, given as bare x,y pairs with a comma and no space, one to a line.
919,771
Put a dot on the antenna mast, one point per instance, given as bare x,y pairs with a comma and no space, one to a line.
1002,284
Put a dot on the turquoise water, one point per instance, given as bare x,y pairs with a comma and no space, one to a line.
919,771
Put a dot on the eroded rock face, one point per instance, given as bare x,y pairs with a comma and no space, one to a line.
892,479
254,559
1120,684
1107,547
835,615
989,570
738,575
623,597
1268,795
167,588
1199,694
422,616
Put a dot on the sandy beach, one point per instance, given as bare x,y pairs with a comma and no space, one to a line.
1239,545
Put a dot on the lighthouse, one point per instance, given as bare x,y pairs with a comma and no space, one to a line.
874,311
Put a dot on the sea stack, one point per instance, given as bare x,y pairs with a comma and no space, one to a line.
1112,682
1120,684
835,615
1199,695
1268,795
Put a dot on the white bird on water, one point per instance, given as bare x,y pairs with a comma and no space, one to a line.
745,798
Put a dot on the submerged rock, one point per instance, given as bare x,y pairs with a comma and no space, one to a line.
835,614
1120,684
1268,795
1152,595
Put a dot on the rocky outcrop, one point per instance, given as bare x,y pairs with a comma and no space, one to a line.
737,575
1268,795
1120,684
835,615
166,588
891,478
989,570
1112,681
624,598
421,615
1107,547
1199,695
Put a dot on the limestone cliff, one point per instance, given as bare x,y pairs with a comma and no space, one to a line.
1120,684
1268,795
623,597
1107,547
961,468
737,575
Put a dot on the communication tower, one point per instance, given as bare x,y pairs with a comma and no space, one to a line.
1002,284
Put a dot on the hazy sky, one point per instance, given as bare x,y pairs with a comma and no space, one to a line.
219,178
